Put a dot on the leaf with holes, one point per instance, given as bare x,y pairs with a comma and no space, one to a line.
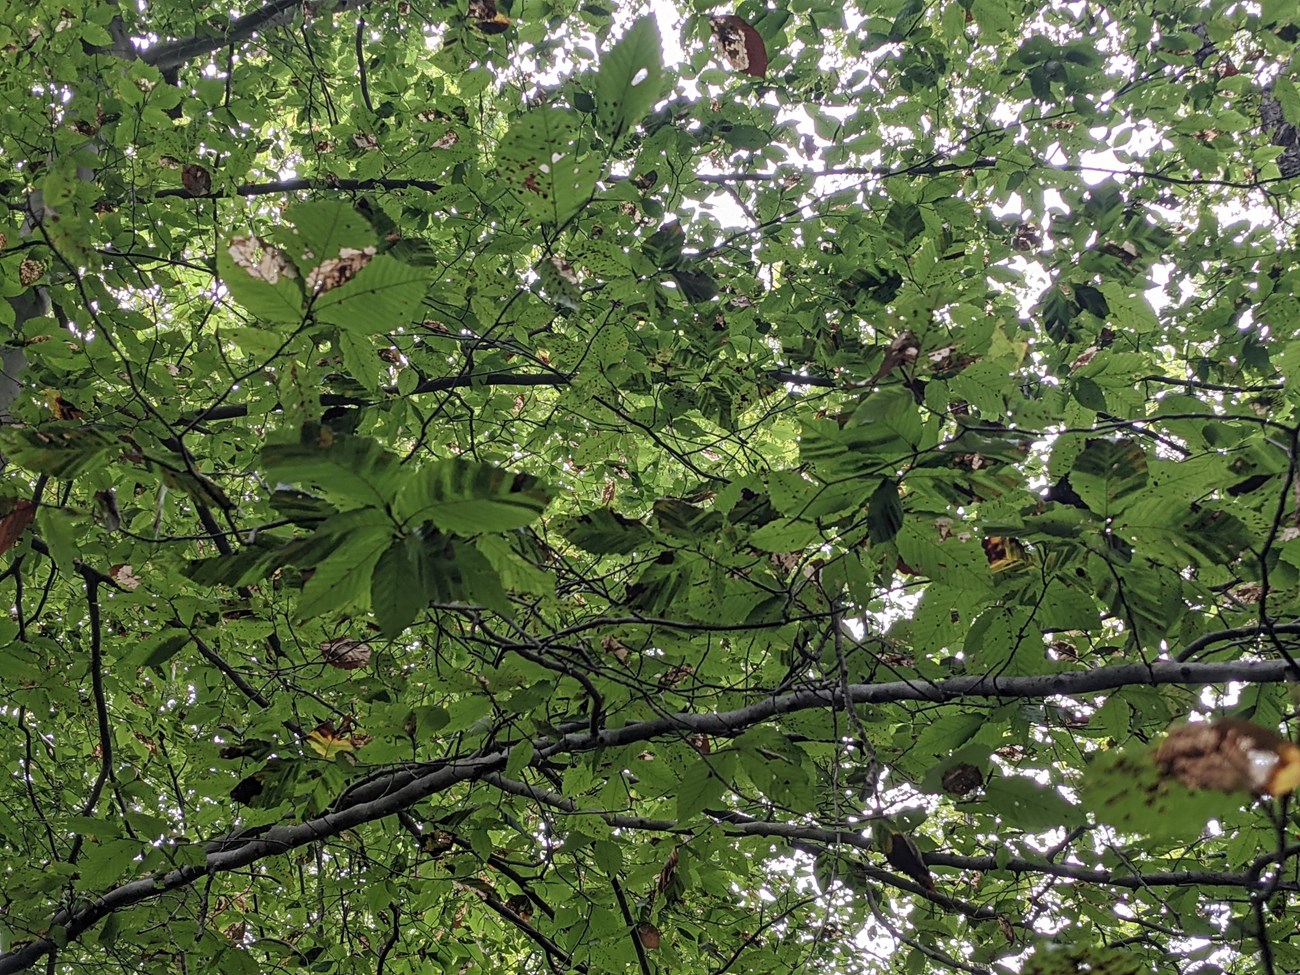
629,80
320,229
539,162
1123,788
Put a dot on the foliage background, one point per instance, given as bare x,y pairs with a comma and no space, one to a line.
598,502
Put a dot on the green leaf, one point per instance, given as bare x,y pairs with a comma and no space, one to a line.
344,576
384,296
521,756
905,222
606,532
262,278
1063,958
884,513
785,535
1025,804
944,554
107,864
323,228
351,468
1064,608
539,161
481,584
700,789
468,497
67,450
399,587
159,648
1108,474
1123,788
629,79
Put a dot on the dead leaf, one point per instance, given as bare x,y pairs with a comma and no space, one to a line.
338,271
902,352
962,779
1230,755
196,180
262,261
740,45
15,522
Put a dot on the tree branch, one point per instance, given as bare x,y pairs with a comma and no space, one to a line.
169,55
298,183
386,795
440,384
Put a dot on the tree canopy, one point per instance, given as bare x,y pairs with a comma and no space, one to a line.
560,487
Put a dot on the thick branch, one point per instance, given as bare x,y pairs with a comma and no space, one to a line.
298,183
76,920
173,54
730,723
384,796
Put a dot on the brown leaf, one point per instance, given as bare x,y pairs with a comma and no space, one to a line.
648,935
60,407
196,180
521,905
740,45
1230,755
13,524
902,352
905,856
962,779
345,653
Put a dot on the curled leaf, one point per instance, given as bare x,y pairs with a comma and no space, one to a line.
486,17
962,779
345,653
905,856
1230,755
648,935
196,180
